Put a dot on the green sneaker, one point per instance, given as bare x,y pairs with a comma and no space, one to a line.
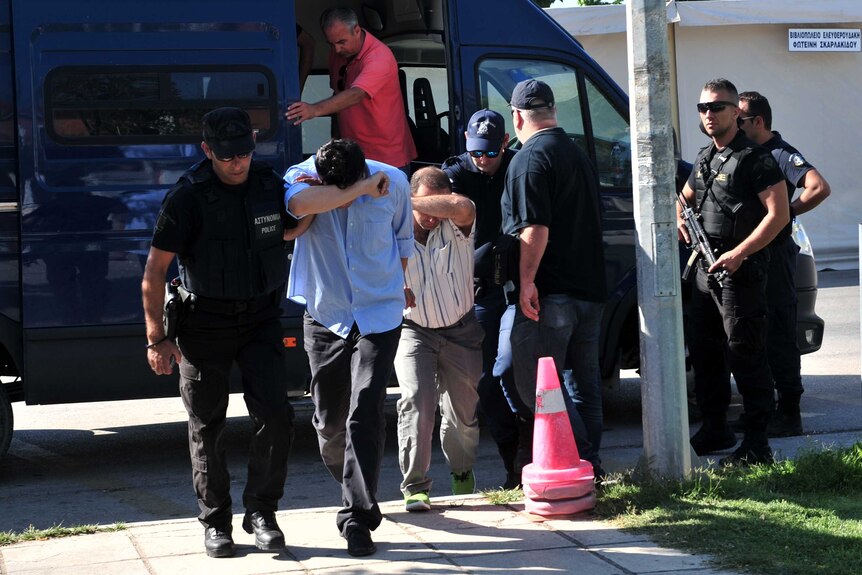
463,483
417,502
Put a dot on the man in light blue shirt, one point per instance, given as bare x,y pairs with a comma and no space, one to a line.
348,268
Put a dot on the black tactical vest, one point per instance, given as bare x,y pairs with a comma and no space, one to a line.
239,254
729,214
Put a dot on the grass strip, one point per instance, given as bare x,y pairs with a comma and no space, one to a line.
33,534
793,517
503,496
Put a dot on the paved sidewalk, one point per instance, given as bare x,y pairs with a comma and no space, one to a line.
463,534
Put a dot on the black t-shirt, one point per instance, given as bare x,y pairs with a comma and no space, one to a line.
792,165
485,191
790,161
551,182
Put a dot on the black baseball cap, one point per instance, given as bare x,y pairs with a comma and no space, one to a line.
485,131
531,94
228,132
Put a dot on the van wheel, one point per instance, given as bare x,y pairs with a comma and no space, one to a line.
5,421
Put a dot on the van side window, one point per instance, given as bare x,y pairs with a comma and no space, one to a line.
497,78
152,104
610,130
612,140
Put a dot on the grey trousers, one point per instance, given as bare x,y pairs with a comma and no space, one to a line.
438,367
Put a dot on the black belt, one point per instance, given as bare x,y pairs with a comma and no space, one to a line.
232,307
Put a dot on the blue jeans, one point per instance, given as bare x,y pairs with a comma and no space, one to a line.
501,419
568,331
503,366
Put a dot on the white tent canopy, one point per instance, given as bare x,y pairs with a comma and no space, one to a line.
587,20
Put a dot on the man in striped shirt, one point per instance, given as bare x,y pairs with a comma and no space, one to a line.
439,358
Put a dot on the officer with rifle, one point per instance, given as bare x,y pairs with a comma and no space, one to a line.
225,223
738,191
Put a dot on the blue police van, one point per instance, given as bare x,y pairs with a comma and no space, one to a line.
100,111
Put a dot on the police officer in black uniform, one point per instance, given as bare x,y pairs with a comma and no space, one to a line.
225,222
784,358
739,191
480,174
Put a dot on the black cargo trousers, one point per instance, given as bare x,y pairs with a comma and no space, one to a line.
728,335
784,356
211,338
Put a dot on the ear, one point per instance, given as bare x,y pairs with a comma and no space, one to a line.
505,141
517,118
207,151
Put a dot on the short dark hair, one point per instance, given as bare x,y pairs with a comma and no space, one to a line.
722,84
338,14
758,105
340,163
431,177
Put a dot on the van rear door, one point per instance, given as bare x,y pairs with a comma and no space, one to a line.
109,99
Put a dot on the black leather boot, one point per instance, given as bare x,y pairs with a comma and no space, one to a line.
267,535
713,435
787,419
218,541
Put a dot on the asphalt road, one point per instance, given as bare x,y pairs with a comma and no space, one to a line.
128,461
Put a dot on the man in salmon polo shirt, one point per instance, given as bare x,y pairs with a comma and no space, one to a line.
366,99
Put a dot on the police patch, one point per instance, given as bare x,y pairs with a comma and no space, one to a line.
797,160
160,223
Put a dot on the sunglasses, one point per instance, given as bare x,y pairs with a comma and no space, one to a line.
744,118
478,154
717,106
232,158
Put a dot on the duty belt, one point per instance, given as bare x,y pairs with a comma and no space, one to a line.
228,307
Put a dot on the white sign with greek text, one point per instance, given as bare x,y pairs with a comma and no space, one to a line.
823,40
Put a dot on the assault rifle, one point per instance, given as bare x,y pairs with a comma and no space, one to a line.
699,241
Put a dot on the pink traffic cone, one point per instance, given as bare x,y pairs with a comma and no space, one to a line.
558,481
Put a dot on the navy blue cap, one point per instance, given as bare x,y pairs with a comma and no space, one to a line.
486,131
228,132
531,94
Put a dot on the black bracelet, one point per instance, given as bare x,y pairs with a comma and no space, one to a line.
155,343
